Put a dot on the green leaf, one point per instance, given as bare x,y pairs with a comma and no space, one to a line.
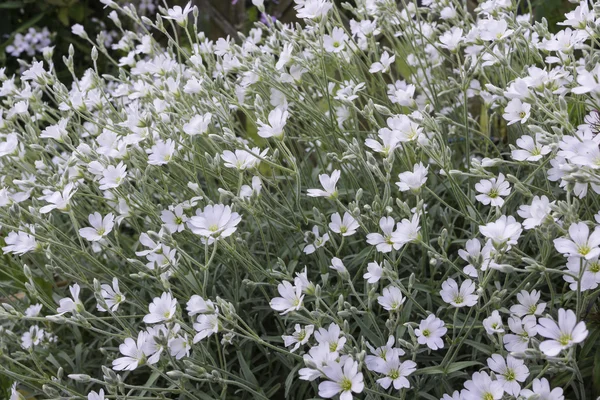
438,369
248,375
290,379
63,16
12,4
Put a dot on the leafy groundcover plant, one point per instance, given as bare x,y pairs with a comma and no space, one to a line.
386,201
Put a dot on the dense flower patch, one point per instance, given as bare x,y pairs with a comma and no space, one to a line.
388,201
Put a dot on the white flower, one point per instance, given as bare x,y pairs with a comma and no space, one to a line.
338,265
492,191
384,63
391,299
377,360
78,30
198,124
562,335
312,9
58,200
32,338
451,39
111,295
242,159
407,231
588,272
516,111
522,332
402,93
290,300
319,241
277,120
161,153
536,213
541,391
33,310
509,372
528,304
384,243
96,396
329,184
101,227
20,243
342,378
396,372
482,387
197,305
318,357
178,14
57,132
162,309
402,128
503,230
430,332
464,296
390,140
493,323
113,176
174,220
346,226
335,42
299,337
70,304
246,191
206,325
214,222
180,346
477,257
530,150
330,338
581,243
413,180
136,353
374,272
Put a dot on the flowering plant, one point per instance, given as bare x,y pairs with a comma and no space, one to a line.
401,203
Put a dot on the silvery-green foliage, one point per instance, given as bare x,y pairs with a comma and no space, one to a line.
387,200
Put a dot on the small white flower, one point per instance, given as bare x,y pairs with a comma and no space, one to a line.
384,243
413,180
391,299
492,191
111,295
536,213
377,359
214,222
384,63
161,309
528,304
242,159
522,331
493,323
206,325
197,305
329,184
96,396
482,387
374,272
505,230
430,332
100,227
318,242
541,390
516,111
396,372
198,124
338,265
581,243
335,42
161,153
57,132
451,39
346,226
509,372
290,300
530,150
178,14
342,378
299,337
464,296
562,335
136,353
174,220
277,121
71,304
59,200
330,338
112,176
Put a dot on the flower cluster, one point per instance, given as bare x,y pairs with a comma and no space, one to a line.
386,200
